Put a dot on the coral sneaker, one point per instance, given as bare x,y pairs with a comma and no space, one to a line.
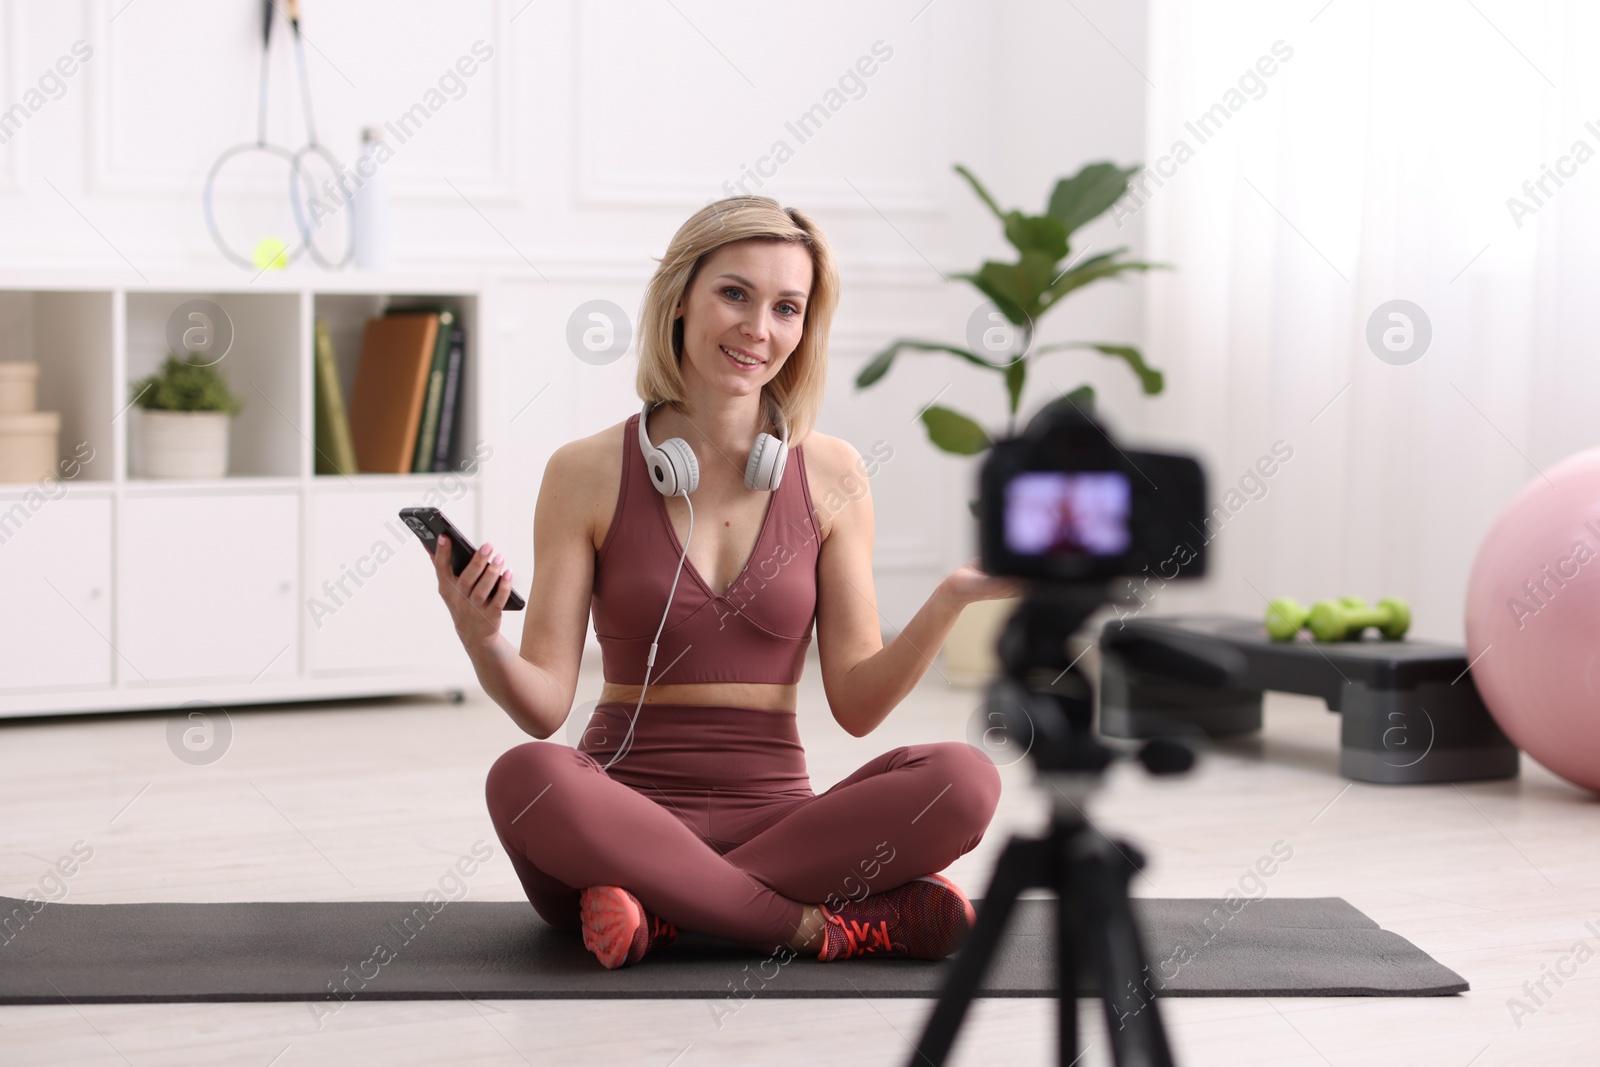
927,918
617,929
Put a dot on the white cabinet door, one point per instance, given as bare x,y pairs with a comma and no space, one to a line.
208,587
55,592
372,597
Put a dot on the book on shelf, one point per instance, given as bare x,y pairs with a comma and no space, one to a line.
447,446
428,431
335,448
386,406
439,431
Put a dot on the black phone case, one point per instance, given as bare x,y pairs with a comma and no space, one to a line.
428,523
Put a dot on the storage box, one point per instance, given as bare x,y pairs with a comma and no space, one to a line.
19,387
29,445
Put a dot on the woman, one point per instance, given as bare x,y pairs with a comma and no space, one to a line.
708,820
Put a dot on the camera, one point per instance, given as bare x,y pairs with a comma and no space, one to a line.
1066,506
1064,503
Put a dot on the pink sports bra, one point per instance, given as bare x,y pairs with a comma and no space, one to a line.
757,631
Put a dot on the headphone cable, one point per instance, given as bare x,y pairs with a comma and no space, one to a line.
649,662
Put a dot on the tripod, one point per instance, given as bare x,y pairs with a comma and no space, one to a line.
1088,872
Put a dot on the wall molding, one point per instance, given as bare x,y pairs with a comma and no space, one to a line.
567,266
498,184
910,274
10,62
594,188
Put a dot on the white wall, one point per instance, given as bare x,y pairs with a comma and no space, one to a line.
571,155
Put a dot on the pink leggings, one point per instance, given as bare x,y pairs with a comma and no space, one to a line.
710,820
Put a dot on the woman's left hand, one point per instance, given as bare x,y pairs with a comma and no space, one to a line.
969,583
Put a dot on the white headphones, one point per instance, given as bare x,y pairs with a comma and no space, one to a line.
674,469
675,472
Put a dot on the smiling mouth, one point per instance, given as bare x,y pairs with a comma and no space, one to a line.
743,362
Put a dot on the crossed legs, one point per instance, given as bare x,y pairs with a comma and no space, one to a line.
566,824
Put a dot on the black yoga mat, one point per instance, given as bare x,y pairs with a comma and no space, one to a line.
397,950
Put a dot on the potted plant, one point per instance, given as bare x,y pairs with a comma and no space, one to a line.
1044,274
184,419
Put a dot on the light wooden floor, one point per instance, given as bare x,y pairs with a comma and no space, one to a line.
375,799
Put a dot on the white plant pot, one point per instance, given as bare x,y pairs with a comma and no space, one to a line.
183,444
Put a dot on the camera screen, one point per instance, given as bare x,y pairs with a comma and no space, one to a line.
1060,513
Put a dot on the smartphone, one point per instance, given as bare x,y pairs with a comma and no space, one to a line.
429,523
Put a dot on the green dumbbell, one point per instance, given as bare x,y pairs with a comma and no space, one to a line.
1336,620
1286,618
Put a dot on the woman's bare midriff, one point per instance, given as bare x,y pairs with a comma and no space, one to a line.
766,696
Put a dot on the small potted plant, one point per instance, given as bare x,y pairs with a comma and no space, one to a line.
1045,273
185,407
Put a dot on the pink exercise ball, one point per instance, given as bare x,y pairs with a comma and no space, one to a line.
1533,619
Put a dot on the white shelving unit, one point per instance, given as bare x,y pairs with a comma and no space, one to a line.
271,584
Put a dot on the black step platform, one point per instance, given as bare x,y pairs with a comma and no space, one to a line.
1410,712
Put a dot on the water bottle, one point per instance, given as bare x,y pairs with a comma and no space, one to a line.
371,202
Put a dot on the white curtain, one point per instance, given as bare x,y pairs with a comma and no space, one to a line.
1354,153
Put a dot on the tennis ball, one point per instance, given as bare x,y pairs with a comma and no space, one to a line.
271,254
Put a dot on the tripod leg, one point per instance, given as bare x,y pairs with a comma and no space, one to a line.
1069,950
1024,863
1137,1036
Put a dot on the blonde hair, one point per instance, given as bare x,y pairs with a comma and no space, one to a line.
795,393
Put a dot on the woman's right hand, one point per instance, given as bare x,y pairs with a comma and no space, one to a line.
475,612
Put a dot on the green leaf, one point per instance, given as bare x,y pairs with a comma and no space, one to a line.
1151,380
954,432
981,191
880,363
1016,288
878,367
1023,291
1082,397
188,384
1090,263
1016,375
1040,234
997,281
1092,270
1088,193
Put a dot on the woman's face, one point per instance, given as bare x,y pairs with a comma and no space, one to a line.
749,296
